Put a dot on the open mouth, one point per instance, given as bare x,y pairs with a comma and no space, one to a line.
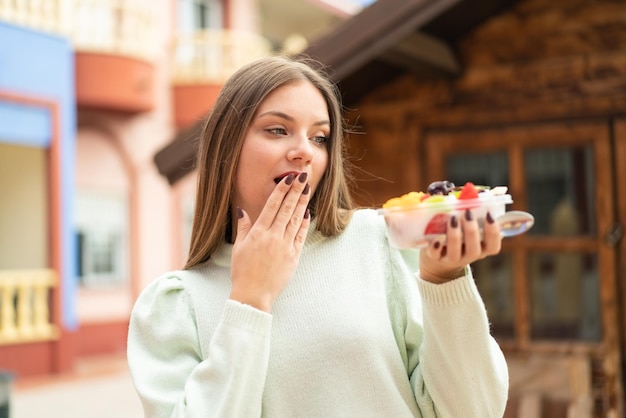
282,176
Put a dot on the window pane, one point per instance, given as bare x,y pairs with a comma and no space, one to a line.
481,169
565,302
560,190
494,278
102,237
195,15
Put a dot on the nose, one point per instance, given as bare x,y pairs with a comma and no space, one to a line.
301,149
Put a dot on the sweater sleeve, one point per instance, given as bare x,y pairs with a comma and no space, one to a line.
455,367
459,368
166,364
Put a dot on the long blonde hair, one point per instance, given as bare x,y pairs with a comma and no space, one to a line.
222,138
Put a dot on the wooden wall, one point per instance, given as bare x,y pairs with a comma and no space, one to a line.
539,61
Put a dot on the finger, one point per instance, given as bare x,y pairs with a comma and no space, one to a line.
454,240
434,250
298,216
471,236
493,241
293,206
300,237
274,202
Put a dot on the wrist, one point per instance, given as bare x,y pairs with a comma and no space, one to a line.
443,277
254,300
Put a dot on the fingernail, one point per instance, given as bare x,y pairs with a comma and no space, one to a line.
307,213
289,179
436,245
302,177
489,218
454,222
306,189
468,215
239,213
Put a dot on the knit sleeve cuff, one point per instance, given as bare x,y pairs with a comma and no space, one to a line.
454,292
246,317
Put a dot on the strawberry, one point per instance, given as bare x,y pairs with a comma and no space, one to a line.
469,191
437,225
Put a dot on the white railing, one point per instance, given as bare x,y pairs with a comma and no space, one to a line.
122,27
25,307
211,56
42,15
129,27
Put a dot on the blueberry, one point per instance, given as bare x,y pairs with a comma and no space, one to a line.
440,187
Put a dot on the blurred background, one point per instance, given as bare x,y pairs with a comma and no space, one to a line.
100,108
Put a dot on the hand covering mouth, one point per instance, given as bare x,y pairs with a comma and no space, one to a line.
282,176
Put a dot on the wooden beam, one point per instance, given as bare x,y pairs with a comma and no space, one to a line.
367,35
419,50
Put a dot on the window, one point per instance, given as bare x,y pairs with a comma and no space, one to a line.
564,284
549,286
102,231
195,15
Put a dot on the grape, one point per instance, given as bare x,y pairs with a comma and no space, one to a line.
440,187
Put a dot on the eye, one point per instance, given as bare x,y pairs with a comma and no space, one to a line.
320,139
277,131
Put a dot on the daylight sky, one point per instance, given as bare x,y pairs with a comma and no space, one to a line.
348,6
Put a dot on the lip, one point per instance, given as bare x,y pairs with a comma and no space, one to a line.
285,174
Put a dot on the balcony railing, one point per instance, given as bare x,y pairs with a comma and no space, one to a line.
25,307
211,56
121,27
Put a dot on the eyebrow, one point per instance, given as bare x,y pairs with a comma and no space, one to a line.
289,118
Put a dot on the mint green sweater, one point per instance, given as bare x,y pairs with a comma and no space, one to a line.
350,336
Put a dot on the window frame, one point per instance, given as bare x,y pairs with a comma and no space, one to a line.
439,144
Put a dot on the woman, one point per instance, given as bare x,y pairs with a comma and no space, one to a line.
292,303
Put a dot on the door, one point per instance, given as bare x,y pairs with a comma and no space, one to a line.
552,294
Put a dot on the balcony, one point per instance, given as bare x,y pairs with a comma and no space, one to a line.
24,306
112,40
203,61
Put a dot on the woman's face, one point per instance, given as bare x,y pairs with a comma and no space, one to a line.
288,134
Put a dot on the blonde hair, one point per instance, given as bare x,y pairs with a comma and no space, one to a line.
222,138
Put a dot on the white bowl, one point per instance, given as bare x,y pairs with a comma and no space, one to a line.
415,226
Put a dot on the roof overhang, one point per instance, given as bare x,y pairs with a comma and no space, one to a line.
393,37
178,158
384,30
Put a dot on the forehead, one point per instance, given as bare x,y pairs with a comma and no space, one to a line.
295,94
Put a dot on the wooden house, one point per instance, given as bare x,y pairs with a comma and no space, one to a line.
530,94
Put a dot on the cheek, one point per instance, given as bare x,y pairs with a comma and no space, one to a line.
250,160
320,167
323,160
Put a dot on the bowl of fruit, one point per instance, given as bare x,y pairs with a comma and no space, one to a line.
416,218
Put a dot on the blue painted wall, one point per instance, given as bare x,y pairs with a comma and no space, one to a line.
25,125
41,65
